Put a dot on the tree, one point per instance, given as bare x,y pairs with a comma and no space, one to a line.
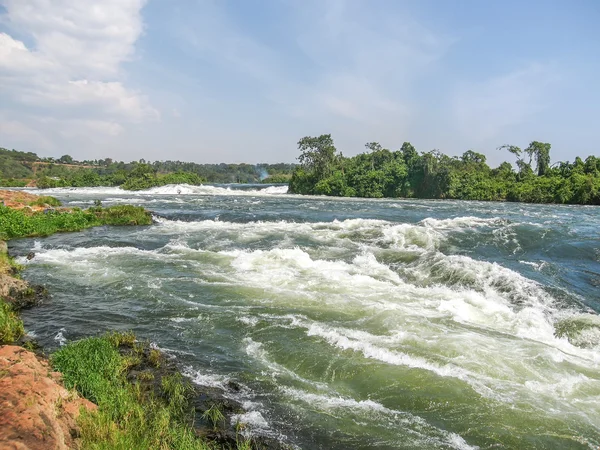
541,152
373,146
66,159
317,155
471,157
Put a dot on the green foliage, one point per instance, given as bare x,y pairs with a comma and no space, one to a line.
137,180
92,366
11,182
214,416
128,417
46,200
19,168
118,339
155,357
17,223
122,215
11,326
406,173
278,178
15,165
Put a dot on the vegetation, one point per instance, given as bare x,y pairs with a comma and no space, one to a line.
11,326
278,178
144,176
45,200
19,168
16,223
128,416
406,173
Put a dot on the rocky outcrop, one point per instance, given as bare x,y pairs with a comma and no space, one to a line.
36,411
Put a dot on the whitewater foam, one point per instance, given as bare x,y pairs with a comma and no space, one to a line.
414,425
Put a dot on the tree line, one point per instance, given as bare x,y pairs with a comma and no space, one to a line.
20,168
380,172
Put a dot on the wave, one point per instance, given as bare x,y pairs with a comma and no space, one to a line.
421,432
170,189
500,329
186,189
463,222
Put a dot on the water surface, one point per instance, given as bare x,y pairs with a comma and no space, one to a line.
350,323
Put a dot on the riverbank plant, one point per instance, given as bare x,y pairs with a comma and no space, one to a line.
46,200
16,223
11,326
128,416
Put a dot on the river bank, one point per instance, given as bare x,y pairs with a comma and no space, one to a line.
112,391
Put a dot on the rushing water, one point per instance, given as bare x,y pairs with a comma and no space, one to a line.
350,323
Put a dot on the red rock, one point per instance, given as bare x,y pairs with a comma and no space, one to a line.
36,411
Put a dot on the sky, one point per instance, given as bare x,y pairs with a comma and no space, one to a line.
242,81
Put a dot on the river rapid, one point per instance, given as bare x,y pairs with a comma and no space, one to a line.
349,323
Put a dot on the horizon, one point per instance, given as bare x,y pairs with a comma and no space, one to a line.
230,82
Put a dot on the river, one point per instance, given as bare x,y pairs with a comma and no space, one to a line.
349,323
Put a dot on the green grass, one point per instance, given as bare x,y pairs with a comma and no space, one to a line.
11,326
128,416
8,265
45,200
17,223
214,415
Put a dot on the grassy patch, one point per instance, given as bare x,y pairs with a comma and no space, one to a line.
6,263
122,215
45,200
11,326
214,415
128,416
18,223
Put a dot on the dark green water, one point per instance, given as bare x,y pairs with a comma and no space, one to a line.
350,323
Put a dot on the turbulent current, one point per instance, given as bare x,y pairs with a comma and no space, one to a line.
349,323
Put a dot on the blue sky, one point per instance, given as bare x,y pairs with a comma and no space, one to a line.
242,81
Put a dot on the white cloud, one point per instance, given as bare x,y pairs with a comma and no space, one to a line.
83,37
71,64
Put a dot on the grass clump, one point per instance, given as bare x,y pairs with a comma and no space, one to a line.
155,357
45,200
118,338
122,215
11,326
7,264
15,223
214,415
128,417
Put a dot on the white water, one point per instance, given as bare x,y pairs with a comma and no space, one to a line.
426,333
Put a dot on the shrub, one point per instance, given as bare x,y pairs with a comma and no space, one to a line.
11,326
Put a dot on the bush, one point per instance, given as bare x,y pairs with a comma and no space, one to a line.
11,327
